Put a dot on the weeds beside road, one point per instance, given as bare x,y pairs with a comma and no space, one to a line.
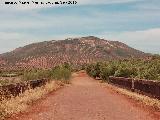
58,76
86,99
21,102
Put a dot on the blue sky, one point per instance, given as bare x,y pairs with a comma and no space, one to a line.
134,22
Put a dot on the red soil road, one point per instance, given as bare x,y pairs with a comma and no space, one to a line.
85,99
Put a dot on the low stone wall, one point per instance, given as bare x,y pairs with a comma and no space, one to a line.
147,87
16,89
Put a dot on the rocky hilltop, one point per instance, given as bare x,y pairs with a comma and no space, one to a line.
76,51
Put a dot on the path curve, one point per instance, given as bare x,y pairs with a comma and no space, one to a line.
84,99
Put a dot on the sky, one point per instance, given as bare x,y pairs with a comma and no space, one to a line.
134,22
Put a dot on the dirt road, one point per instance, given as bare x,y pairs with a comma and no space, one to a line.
85,99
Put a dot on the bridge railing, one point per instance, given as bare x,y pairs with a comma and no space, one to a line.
147,87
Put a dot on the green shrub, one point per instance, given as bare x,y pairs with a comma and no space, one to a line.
62,72
134,68
36,74
107,71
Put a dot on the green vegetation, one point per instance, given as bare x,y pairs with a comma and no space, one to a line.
61,72
134,68
8,106
11,73
36,74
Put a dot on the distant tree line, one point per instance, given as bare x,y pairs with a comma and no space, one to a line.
61,72
133,68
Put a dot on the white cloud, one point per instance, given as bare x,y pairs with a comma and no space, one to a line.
146,40
22,23
11,40
149,6
9,35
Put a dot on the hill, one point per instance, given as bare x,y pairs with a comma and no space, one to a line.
76,51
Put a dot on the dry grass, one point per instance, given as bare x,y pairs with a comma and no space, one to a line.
155,103
9,80
21,102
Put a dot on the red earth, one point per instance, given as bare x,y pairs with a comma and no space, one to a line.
86,99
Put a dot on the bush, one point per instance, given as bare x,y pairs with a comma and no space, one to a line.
36,74
107,71
135,68
125,70
62,72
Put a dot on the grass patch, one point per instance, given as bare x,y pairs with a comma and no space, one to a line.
21,102
154,103
61,72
